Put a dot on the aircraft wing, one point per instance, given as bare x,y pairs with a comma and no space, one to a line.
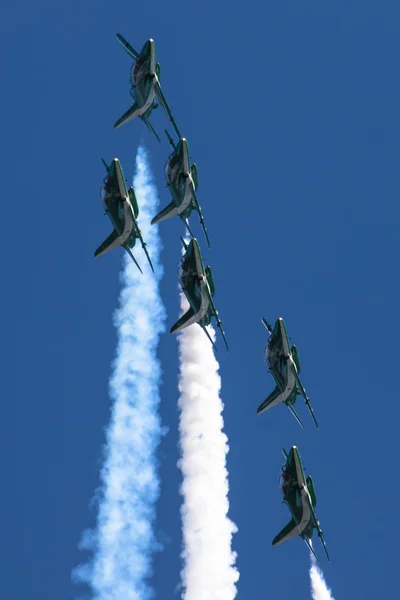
198,208
131,113
128,47
169,211
270,401
219,322
319,531
187,319
111,242
167,109
287,532
306,398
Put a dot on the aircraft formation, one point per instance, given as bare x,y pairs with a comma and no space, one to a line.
181,175
197,281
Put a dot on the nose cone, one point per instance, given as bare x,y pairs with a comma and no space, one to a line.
113,166
149,48
193,247
293,455
280,324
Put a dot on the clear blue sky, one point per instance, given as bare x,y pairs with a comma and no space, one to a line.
292,116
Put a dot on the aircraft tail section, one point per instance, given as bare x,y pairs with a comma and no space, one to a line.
270,401
150,126
111,242
130,114
187,319
169,211
131,51
287,532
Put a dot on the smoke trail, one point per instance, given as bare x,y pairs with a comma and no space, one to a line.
124,540
209,564
319,589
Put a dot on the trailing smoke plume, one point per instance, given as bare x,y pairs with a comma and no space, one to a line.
319,589
123,542
209,570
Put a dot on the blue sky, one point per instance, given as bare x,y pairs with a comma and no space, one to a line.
292,118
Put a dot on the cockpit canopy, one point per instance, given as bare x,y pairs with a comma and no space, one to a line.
107,191
184,271
172,167
139,68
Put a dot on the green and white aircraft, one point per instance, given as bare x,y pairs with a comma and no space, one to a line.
145,86
284,365
198,286
182,181
122,209
300,498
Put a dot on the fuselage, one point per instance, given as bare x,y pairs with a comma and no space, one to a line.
195,285
297,496
118,205
144,79
280,362
180,180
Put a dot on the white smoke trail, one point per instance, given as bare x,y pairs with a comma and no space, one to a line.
124,540
319,589
209,571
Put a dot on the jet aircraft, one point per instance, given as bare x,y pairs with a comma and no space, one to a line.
145,86
122,209
198,286
182,181
284,365
300,498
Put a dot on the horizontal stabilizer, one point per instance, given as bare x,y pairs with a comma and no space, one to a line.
270,401
169,211
111,242
150,126
187,319
130,114
287,532
127,47
266,325
294,413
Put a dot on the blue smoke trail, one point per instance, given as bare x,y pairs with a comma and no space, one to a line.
124,540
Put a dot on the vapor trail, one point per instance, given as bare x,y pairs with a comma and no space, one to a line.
209,571
123,541
319,589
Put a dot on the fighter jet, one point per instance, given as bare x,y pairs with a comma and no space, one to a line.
284,365
198,286
145,86
300,498
182,181
122,209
